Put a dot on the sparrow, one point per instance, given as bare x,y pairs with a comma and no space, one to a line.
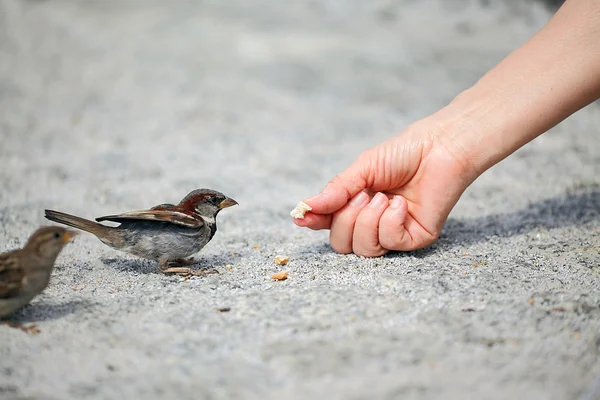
25,273
166,233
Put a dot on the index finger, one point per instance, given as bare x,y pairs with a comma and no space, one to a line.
315,221
340,189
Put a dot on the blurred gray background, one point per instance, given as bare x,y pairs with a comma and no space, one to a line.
109,106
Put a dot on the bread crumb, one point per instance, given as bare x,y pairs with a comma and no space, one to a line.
280,276
301,209
281,260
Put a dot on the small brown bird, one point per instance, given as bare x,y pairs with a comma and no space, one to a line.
25,273
166,233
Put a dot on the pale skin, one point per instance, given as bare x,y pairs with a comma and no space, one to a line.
398,194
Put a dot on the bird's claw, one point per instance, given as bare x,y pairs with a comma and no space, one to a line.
31,329
177,267
183,261
204,272
187,272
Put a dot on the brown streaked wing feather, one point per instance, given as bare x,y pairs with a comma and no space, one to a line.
164,207
11,274
174,217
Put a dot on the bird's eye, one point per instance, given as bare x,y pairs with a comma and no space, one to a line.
56,235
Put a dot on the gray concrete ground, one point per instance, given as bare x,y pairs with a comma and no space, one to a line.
108,106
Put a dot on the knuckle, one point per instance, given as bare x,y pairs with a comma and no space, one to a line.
426,239
395,241
368,248
435,235
340,249
364,158
336,183
371,252
393,237
338,245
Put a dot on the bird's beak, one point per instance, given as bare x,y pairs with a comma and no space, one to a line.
70,234
227,203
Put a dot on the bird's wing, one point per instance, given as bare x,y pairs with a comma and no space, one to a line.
165,207
11,275
166,214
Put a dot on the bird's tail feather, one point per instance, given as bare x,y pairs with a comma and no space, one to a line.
77,222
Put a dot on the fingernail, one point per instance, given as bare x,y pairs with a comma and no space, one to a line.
360,199
378,200
396,202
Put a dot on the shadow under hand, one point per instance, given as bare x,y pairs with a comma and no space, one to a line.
575,207
38,311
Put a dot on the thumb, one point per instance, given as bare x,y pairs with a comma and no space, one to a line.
340,189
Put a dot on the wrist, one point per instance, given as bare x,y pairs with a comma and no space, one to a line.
534,88
489,121
476,129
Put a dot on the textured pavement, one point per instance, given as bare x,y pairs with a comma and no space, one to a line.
110,106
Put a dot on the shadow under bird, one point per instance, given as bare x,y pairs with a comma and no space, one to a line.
25,273
166,233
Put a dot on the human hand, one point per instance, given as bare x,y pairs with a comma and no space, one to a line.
395,196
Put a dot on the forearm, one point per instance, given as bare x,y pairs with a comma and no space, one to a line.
554,74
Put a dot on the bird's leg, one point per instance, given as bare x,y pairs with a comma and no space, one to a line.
165,267
31,329
183,261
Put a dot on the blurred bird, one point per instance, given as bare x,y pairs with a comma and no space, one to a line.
25,273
